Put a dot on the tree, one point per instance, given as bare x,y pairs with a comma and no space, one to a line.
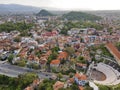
102,87
10,58
55,49
70,50
35,66
19,26
118,45
27,79
59,76
52,57
74,87
64,32
46,85
21,63
18,83
88,88
17,39
38,53
81,59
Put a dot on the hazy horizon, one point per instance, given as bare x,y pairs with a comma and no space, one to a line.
69,5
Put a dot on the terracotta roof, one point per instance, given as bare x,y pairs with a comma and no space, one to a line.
58,85
43,61
81,88
29,88
1,47
55,62
77,53
80,76
63,55
113,49
48,52
36,81
71,80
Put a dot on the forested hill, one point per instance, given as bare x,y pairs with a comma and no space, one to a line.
74,15
44,13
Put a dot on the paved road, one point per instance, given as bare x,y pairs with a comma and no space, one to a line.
14,71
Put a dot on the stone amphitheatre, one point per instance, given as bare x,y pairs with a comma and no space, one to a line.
104,74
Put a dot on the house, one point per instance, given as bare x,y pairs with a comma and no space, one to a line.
81,66
1,49
29,88
81,88
80,79
49,34
70,82
63,56
15,59
36,82
42,63
55,63
73,31
32,86
58,85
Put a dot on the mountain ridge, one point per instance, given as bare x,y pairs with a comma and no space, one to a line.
6,8
78,15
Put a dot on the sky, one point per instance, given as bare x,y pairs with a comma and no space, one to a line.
69,4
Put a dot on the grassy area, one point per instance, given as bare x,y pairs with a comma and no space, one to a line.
104,87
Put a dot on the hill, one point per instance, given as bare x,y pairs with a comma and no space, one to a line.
74,15
44,13
16,8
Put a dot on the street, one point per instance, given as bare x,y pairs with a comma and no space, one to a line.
14,71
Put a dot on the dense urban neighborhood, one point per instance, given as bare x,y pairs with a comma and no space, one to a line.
76,51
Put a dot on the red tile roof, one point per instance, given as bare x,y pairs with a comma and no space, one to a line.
81,88
29,88
55,62
80,76
36,81
63,55
71,80
58,85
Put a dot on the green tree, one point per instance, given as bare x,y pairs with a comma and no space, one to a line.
70,50
35,66
81,59
27,79
46,85
59,76
52,57
21,63
55,49
19,26
88,88
18,83
74,87
17,39
10,58
101,87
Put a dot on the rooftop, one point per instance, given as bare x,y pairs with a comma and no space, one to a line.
80,76
55,62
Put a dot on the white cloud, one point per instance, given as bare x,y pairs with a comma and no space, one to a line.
70,4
